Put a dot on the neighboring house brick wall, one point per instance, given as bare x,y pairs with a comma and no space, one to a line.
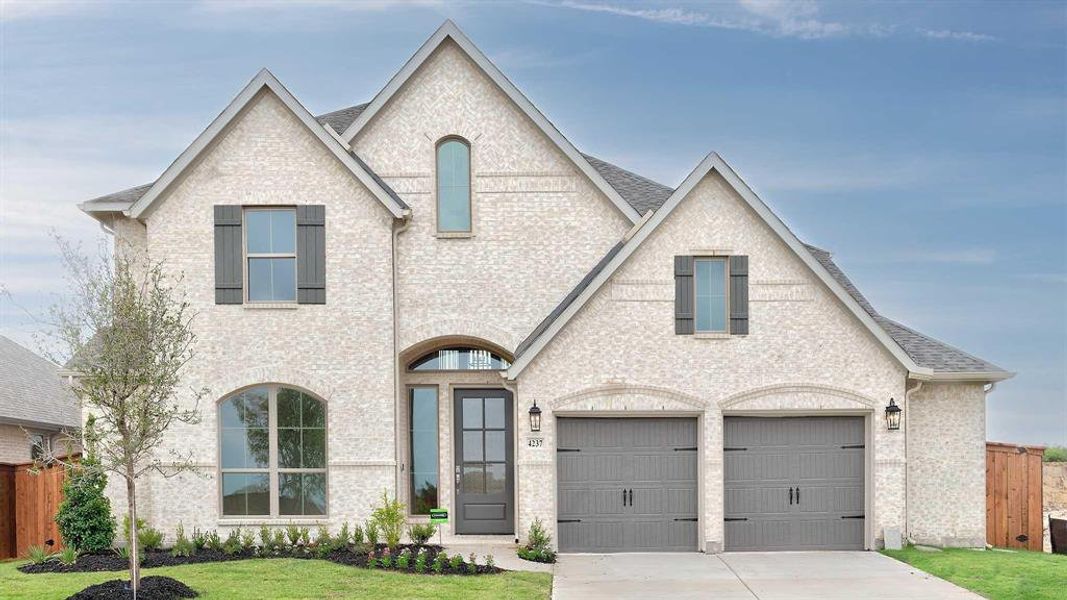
14,445
805,352
341,351
947,462
539,224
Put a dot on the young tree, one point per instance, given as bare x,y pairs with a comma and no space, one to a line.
127,331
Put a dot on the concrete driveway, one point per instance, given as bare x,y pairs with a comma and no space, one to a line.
747,576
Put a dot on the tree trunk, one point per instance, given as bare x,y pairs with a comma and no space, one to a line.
135,564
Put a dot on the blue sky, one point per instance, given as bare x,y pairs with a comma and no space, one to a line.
925,144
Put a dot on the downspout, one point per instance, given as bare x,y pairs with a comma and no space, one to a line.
399,226
513,386
907,454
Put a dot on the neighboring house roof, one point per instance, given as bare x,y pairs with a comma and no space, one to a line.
265,80
33,393
449,30
924,357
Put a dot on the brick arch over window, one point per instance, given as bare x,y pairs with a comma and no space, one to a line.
311,383
481,334
420,349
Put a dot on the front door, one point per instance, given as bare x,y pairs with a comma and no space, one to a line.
484,427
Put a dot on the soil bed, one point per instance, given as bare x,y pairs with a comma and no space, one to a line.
152,588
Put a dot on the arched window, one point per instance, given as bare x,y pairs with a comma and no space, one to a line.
459,359
453,186
272,452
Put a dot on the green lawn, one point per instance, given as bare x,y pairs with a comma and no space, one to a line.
291,578
998,575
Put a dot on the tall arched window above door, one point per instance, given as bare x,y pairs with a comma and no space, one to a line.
453,185
272,453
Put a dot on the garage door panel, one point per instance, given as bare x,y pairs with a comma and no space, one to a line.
652,459
794,483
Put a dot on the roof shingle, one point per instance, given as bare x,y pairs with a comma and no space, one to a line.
33,392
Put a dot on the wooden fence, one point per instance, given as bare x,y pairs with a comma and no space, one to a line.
1013,496
29,500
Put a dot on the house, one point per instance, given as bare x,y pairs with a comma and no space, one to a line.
36,407
438,295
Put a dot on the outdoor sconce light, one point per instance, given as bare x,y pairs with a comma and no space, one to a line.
535,418
892,415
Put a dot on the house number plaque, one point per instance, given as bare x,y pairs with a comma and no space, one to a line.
535,442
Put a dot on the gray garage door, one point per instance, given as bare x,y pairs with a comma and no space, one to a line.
627,485
794,483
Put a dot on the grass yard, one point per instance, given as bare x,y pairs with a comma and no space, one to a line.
998,575
291,578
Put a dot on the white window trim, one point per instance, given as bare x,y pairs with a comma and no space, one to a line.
272,468
246,255
713,333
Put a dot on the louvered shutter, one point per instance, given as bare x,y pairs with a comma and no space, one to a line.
683,295
739,295
311,254
229,271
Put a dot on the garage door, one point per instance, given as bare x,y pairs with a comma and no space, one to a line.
794,483
627,485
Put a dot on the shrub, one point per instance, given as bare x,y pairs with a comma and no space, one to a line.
84,517
324,543
386,561
357,535
213,541
372,535
264,536
68,555
404,560
199,539
279,540
344,537
124,554
232,545
38,554
456,562
439,563
538,546
292,532
489,562
182,545
248,540
305,537
389,519
472,563
420,562
1053,454
420,533
150,539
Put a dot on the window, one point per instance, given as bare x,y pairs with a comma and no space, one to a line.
710,294
423,414
453,186
460,359
270,249
272,453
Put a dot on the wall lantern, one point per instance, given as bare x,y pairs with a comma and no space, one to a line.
892,415
535,418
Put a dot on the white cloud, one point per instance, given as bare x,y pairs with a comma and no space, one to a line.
961,36
12,10
228,6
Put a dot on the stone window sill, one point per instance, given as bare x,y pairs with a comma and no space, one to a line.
712,336
454,235
280,520
270,305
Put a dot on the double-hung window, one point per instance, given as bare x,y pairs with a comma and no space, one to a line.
270,252
710,285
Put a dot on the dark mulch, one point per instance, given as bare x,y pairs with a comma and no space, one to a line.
109,561
152,588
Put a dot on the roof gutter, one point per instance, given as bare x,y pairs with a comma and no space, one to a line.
960,376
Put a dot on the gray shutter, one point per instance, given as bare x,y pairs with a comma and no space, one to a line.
311,254
739,295
229,256
683,295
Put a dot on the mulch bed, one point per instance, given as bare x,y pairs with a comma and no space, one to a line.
152,588
109,561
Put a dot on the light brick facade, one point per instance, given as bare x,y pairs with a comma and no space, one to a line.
539,225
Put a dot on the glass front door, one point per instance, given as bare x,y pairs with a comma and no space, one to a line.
484,426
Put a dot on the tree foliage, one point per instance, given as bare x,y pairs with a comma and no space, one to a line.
84,516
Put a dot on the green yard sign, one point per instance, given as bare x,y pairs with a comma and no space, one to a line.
438,515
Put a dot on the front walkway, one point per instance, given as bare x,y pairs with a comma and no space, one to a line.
747,576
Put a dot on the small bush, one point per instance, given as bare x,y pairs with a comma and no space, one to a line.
1056,454
182,545
386,561
232,545
420,533
472,563
420,562
538,546
38,554
124,554
68,555
372,535
213,541
404,560
292,532
357,535
248,540
305,537
324,543
439,563
84,517
150,539
389,519
456,562
264,536
278,544
344,537
199,539
489,562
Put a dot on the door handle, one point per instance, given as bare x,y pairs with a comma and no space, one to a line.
790,496
798,494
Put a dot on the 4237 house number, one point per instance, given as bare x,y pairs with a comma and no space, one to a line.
535,442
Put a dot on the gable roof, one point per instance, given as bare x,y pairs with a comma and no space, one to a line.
924,360
265,80
449,31
33,393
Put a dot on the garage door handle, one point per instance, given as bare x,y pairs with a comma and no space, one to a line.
689,519
631,497
798,494
854,517
624,497
735,519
